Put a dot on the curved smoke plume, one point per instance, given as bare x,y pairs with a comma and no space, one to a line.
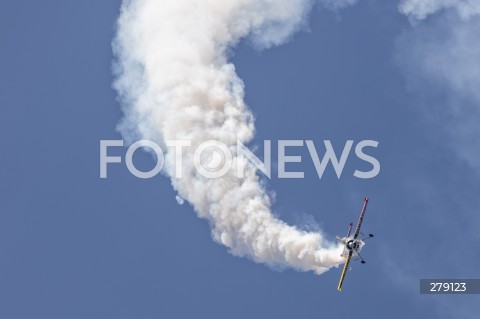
174,82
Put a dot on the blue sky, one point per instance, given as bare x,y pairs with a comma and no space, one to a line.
73,245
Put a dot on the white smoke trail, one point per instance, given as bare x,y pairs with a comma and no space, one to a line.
174,82
420,9
444,52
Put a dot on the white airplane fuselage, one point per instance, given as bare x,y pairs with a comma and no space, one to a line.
351,244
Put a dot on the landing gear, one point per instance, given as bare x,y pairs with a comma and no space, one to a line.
369,236
360,256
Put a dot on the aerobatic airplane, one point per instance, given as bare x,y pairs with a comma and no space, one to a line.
353,244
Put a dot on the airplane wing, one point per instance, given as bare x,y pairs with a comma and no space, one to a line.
345,268
360,220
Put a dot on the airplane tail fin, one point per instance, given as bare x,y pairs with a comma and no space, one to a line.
349,229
